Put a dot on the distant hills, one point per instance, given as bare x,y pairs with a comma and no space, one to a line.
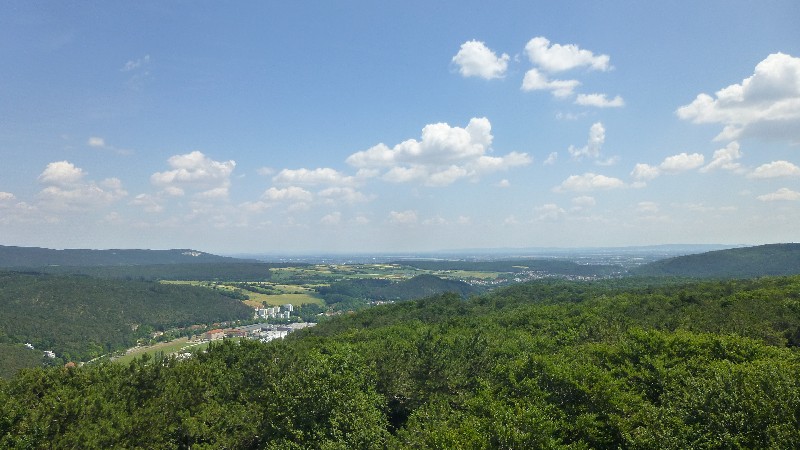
18,257
747,262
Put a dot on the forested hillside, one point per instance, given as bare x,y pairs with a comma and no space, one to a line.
747,262
549,364
357,292
11,256
218,271
80,317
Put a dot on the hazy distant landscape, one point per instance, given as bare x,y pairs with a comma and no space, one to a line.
400,225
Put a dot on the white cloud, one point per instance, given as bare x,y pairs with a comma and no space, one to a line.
403,217
79,197
67,190
148,202
775,169
333,218
62,173
584,201
725,158
597,137
549,212
537,81
6,196
551,159
96,142
475,59
444,155
503,183
313,177
599,101
195,171
764,104
645,172
291,193
559,58
682,162
135,63
780,194
588,182
343,194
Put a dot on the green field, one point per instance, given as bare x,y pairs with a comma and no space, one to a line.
167,348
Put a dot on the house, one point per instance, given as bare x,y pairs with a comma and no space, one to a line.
234,332
214,334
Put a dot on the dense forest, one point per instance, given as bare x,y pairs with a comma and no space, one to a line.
747,262
80,317
359,292
629,363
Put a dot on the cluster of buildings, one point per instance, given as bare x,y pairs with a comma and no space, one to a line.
264,332
275,312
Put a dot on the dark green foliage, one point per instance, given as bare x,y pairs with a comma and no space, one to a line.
551,364
749,262
365,290
14,357
80,317
219,271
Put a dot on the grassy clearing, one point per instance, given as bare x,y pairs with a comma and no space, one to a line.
462,274
168,348
294,299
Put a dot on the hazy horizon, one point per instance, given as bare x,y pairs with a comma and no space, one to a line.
353,127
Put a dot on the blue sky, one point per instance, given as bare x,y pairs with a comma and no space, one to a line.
398,126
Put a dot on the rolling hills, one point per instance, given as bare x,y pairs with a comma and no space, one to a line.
746,262
19,257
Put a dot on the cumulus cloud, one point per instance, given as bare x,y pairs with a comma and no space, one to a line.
551,159
61,173
782,194
325,176
597,136
403,217
475,59
6,196
534,80
588,182
559,58
725,158
775,169
67,190
599,101
290,194
444,155
766,104
197,172
645,172
682,162
343,194
583,202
